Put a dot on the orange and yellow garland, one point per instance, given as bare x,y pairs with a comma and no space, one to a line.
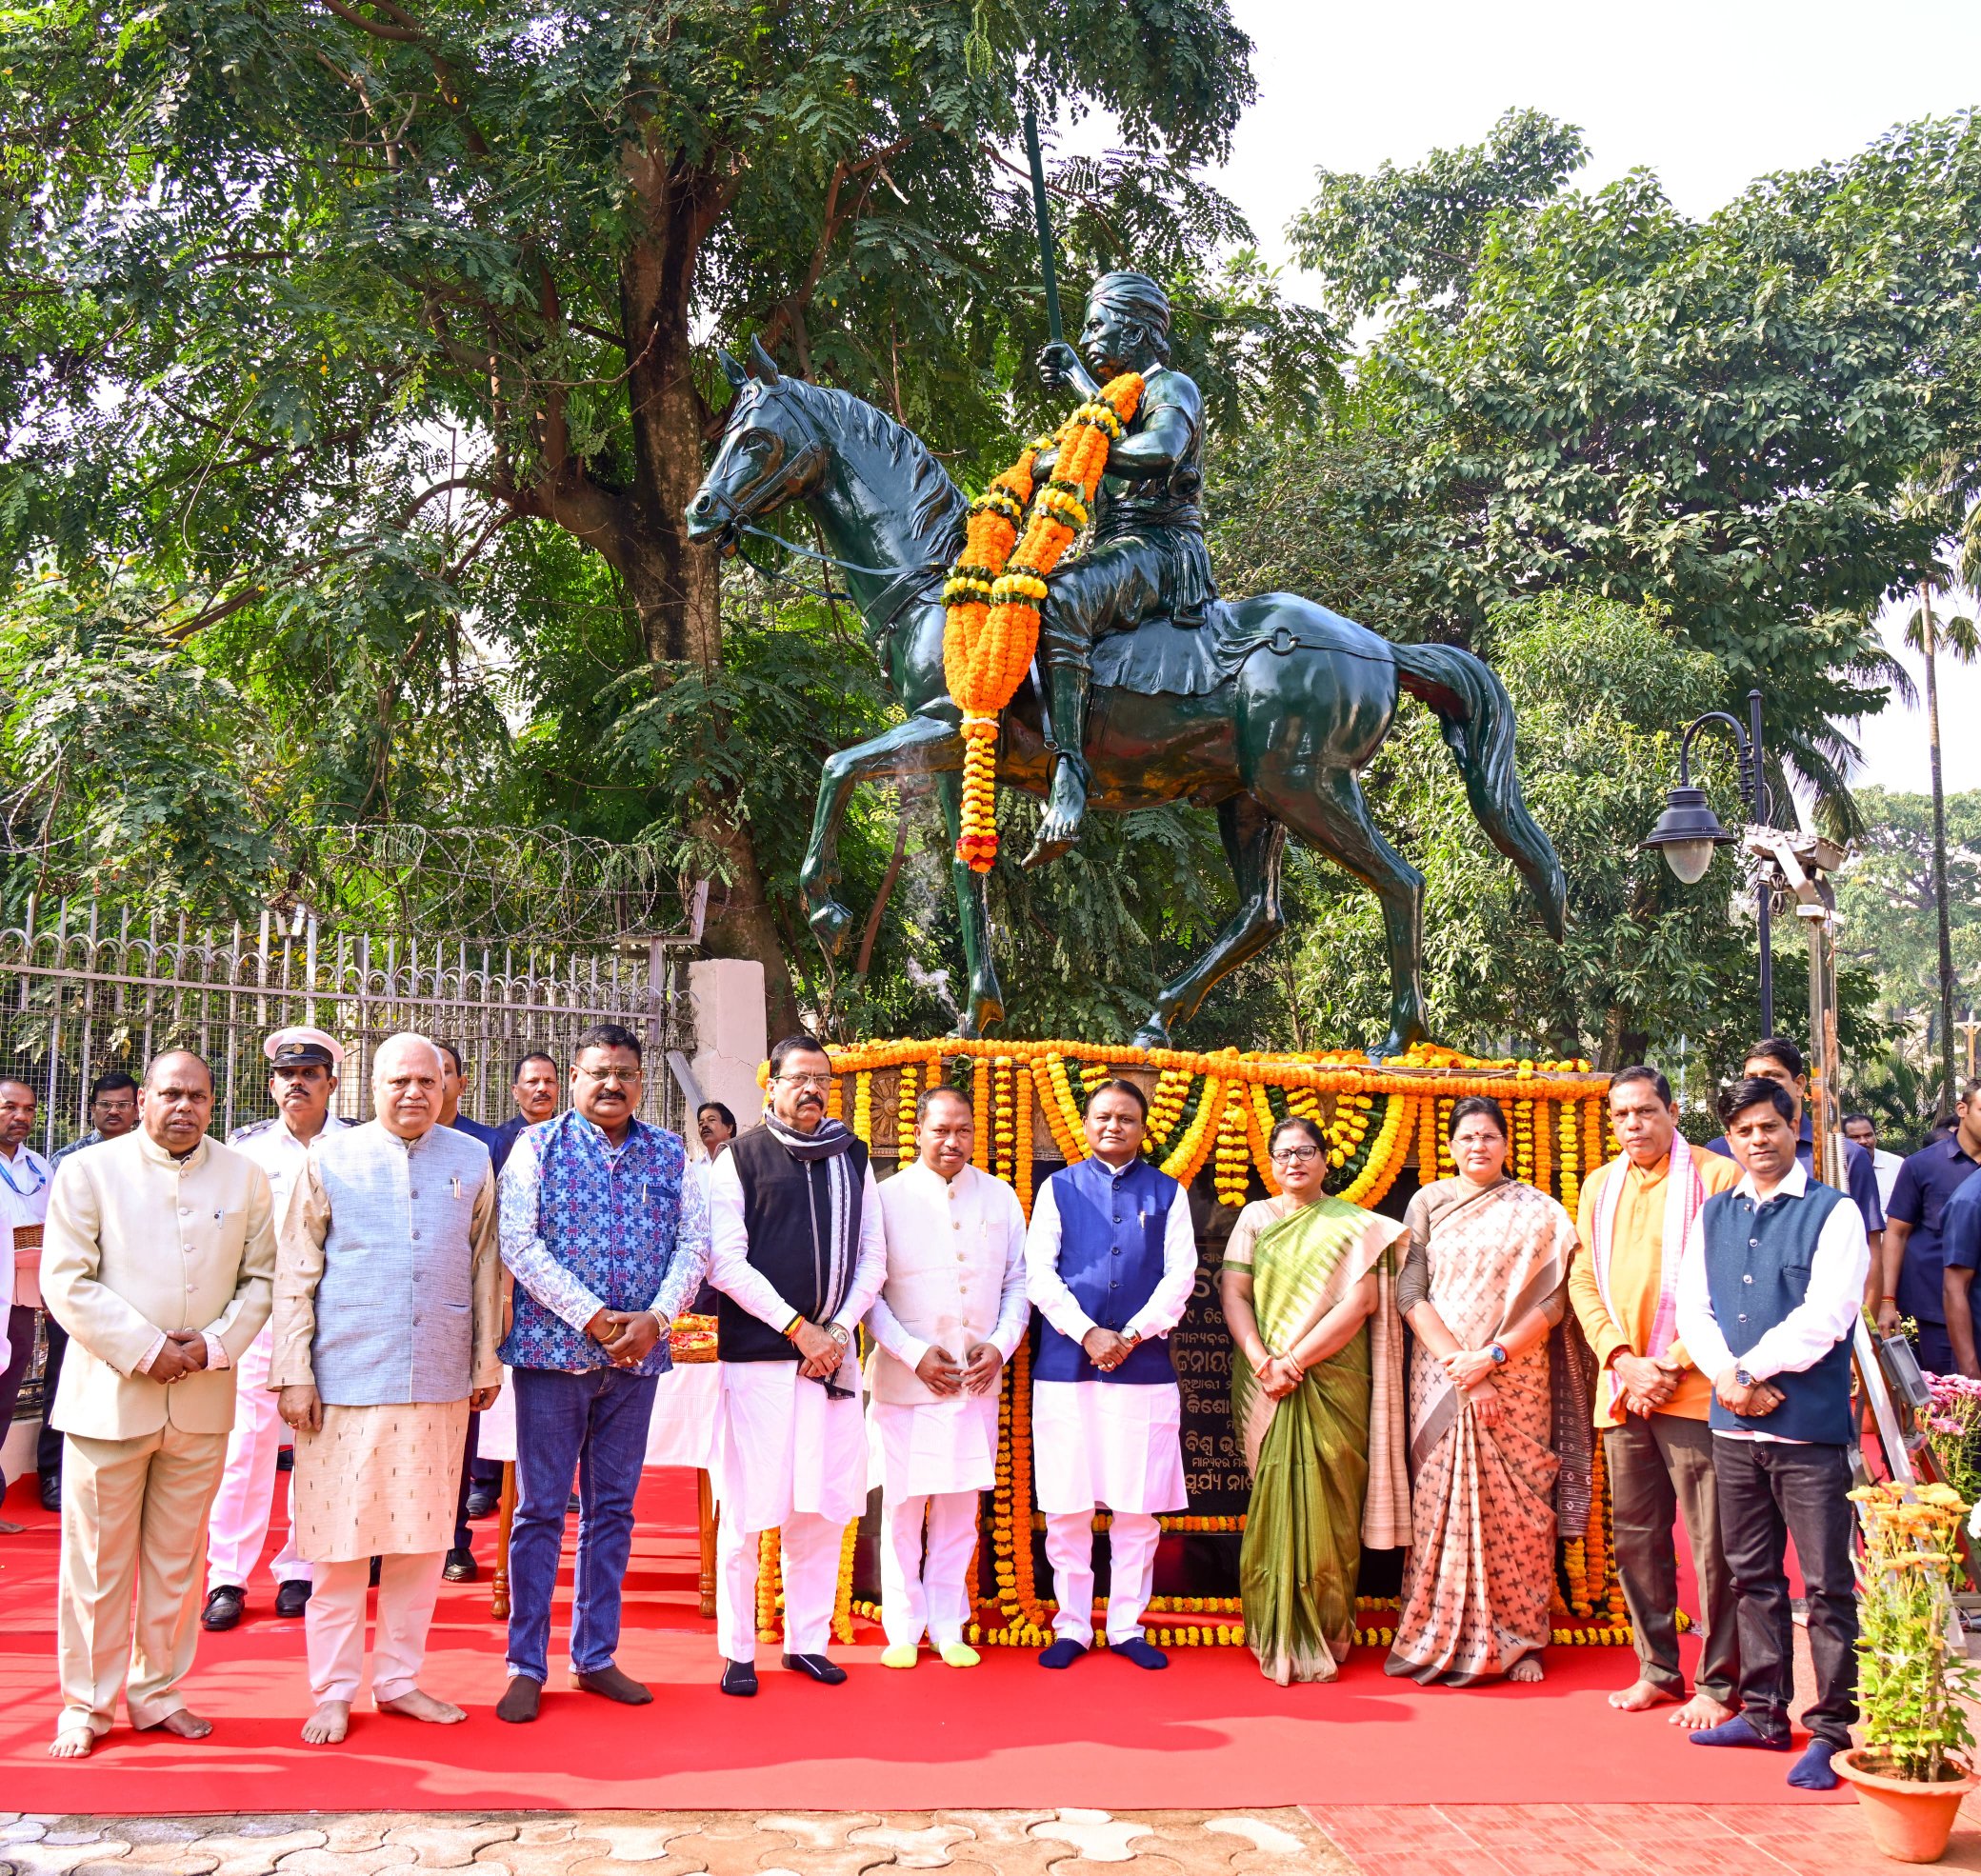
1016,536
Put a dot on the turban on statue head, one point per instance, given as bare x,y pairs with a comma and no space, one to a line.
1140,298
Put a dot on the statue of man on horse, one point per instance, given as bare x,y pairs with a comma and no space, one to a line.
1265,710
1144,557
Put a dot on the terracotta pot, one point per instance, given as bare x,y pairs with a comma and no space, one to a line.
1910,1822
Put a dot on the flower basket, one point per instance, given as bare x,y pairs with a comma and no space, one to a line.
1915,1764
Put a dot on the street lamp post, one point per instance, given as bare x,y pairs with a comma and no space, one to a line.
1689,830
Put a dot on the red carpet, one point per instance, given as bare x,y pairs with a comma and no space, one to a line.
1210,1733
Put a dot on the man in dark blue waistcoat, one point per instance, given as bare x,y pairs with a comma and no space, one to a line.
1110,1261
1768,1296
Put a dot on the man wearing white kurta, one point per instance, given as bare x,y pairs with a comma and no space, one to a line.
796,1256
302,1064
949,1315
1110,1261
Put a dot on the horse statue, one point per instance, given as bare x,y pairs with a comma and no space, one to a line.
1269,713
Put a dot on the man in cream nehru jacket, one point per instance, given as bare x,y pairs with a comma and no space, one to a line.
158,1261
387,1309
948,1316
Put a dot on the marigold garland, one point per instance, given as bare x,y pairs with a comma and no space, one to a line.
1016,535
905,1097
843,1597
863,1106
980,1107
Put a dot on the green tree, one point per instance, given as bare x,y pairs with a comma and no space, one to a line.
1596,393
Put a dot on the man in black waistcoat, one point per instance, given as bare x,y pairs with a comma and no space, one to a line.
797,1255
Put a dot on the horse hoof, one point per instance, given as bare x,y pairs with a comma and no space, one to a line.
830,922
1152,1034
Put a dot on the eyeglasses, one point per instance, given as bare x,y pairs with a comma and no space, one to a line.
613,1077
808,1080
1294,1155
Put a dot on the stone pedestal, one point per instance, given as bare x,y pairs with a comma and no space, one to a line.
731,1038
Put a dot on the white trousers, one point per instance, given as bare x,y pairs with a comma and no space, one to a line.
1131,1541
811,1562
239,1521
333,1625
931,1595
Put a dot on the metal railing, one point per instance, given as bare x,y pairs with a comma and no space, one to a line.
82,994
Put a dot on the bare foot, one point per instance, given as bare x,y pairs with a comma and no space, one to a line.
1701,1711
1640,1696
1526,1668
327,1725
418,1705
74,1742
183,1723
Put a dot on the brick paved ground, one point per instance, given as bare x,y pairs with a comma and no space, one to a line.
1466,1840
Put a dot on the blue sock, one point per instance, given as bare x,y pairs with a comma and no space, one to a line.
1062,1653
1139,1650
1814,1771
1739,1731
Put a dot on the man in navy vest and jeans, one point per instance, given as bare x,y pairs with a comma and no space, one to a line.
1769,1294
1110,1261
607,1239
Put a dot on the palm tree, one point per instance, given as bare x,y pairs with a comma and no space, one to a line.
1958,639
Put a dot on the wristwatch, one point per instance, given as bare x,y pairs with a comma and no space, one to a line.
839,1332
1742,1378
1498,1354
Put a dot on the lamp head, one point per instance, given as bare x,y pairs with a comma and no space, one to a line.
1687,832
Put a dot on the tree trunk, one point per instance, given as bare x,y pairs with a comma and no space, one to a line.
1939,860
675,586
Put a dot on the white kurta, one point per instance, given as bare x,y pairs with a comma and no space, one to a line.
782,1443
1112,1443
976,1293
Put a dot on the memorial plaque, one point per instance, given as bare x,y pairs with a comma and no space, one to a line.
1213,1466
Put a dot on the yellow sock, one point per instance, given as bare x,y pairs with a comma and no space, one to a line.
960,1654
902,1654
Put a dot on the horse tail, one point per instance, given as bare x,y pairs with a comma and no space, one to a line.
1477,716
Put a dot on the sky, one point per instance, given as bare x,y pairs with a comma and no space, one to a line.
1708,96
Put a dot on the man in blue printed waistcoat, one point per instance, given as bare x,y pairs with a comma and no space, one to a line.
1768,1296
1110,1261
387,1310
607,1239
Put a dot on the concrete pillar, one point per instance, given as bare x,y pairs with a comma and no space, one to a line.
726,996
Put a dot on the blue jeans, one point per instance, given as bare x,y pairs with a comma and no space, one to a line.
594,1424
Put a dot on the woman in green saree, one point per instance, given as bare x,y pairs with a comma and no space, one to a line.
1316,1399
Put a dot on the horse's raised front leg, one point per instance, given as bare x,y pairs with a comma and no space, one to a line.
921,745
983,1007
1253,843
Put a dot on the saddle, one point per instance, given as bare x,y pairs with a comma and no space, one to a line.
1159,657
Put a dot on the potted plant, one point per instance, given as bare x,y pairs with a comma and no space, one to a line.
1915,1762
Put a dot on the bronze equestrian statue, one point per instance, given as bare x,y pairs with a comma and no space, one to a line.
1268,710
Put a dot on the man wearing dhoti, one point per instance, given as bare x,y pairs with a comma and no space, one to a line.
949,1315
387,1310
796,1256
1110,1261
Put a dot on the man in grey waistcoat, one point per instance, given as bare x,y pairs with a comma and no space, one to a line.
387,1311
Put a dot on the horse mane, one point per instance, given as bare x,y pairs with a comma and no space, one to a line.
938,509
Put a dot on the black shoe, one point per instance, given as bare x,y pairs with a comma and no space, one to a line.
739,1677
293,1598
573,1505
376,1561
223,1606
460,1565
286,1458
483,1503
827,1673
52,1491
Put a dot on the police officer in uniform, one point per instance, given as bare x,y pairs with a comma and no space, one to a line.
304,1065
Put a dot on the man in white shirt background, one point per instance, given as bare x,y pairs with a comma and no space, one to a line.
1110,1261
1768,1296
303,1070
24,1204
951,1313
1862,1131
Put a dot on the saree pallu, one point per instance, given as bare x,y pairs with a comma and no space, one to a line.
1313,1455
1481,1570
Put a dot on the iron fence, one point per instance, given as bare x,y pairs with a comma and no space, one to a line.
81,995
